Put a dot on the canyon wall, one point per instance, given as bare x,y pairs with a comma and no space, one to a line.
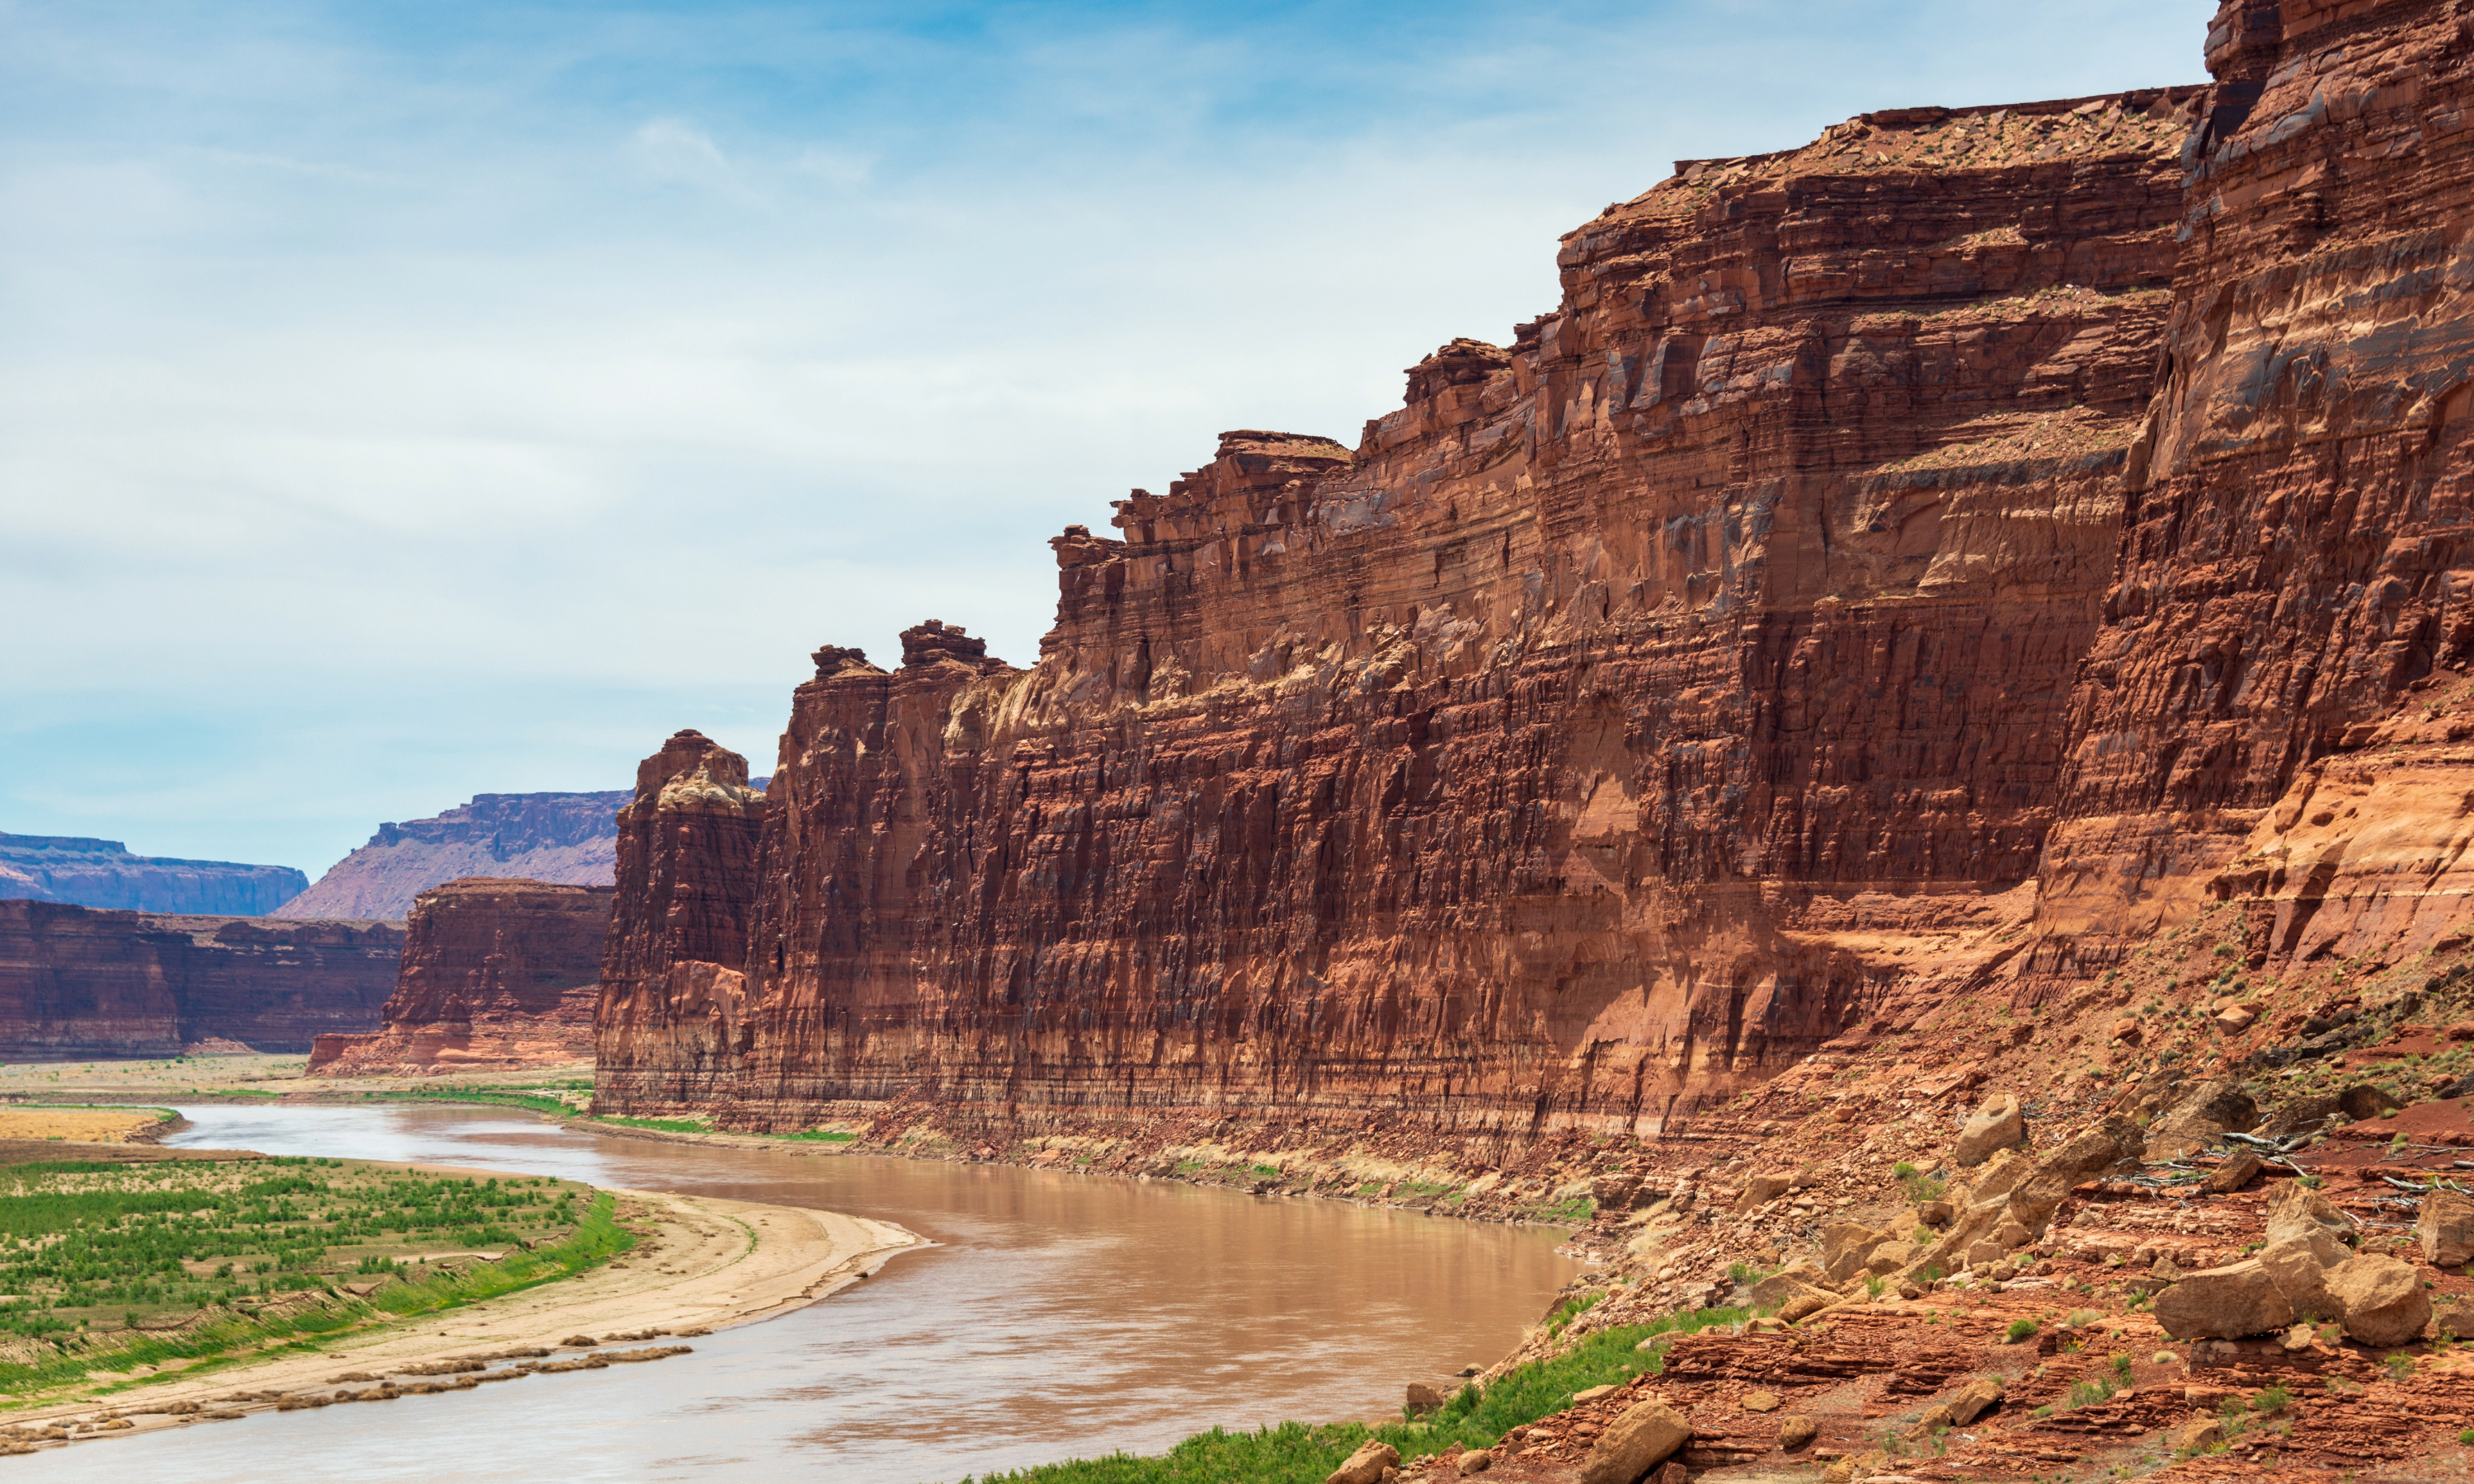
1627,716
674,985
567,838
103,873
496,974
2264,712
78,982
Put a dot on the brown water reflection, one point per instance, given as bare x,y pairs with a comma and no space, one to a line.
1062,1315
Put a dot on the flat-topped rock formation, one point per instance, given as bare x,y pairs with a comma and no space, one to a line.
102,873
1617,722
566,838
495,973
78,982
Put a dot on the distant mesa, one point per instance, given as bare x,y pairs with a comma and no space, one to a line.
571,839
565,839
83,872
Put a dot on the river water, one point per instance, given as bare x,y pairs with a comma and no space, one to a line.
1059,1316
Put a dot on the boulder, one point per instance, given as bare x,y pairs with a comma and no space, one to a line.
2196,1436
2363,1101
2234,1019
1806,1304
2383,1299
1934,1213
2127,1031
2297,1264
1890,1257
1760,1402
1795,1431
2302,1115
1616,1192
1423,1398
2446,1227
1997,1124
2227,1302
1975,1399
2201,1117
2233,1174
1761,1189
2036,1198
1477,1462
2295,1209
1366,1466
1847,1248
1774,1291
1646,1435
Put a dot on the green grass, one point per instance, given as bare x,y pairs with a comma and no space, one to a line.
819,1135
151,1219
1300,1453
664,1125
493,1096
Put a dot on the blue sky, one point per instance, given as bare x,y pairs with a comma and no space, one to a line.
405,401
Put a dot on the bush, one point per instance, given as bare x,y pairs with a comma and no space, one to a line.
2022,1329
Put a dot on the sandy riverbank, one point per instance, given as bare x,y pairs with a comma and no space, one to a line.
699,1264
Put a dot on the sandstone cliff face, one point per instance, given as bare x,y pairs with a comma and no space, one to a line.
103,873
1622,719
76,982
2296,567
495,974
566,838
671,1015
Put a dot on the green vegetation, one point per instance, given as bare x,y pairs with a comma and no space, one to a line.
118,1265
2020,1330
1298,1453
502,1097
663,1125
1919,1186
820,1135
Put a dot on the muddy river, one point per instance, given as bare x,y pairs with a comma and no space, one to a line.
1059,1316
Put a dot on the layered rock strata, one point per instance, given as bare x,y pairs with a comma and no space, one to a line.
78,982
670,1021
496,974
1621,720
2261,716
566,838
102,873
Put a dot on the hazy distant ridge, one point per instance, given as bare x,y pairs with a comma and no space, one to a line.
567,838
102,873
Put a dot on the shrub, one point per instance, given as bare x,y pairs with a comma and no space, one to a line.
2274,1398
2022,1329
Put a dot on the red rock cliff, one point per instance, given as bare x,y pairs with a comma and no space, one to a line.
1621,720
78,982
671,1009
495,974
2293,594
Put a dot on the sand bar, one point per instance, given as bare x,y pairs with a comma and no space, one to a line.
699,1263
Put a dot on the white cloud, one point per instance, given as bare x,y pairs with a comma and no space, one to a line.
386,417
